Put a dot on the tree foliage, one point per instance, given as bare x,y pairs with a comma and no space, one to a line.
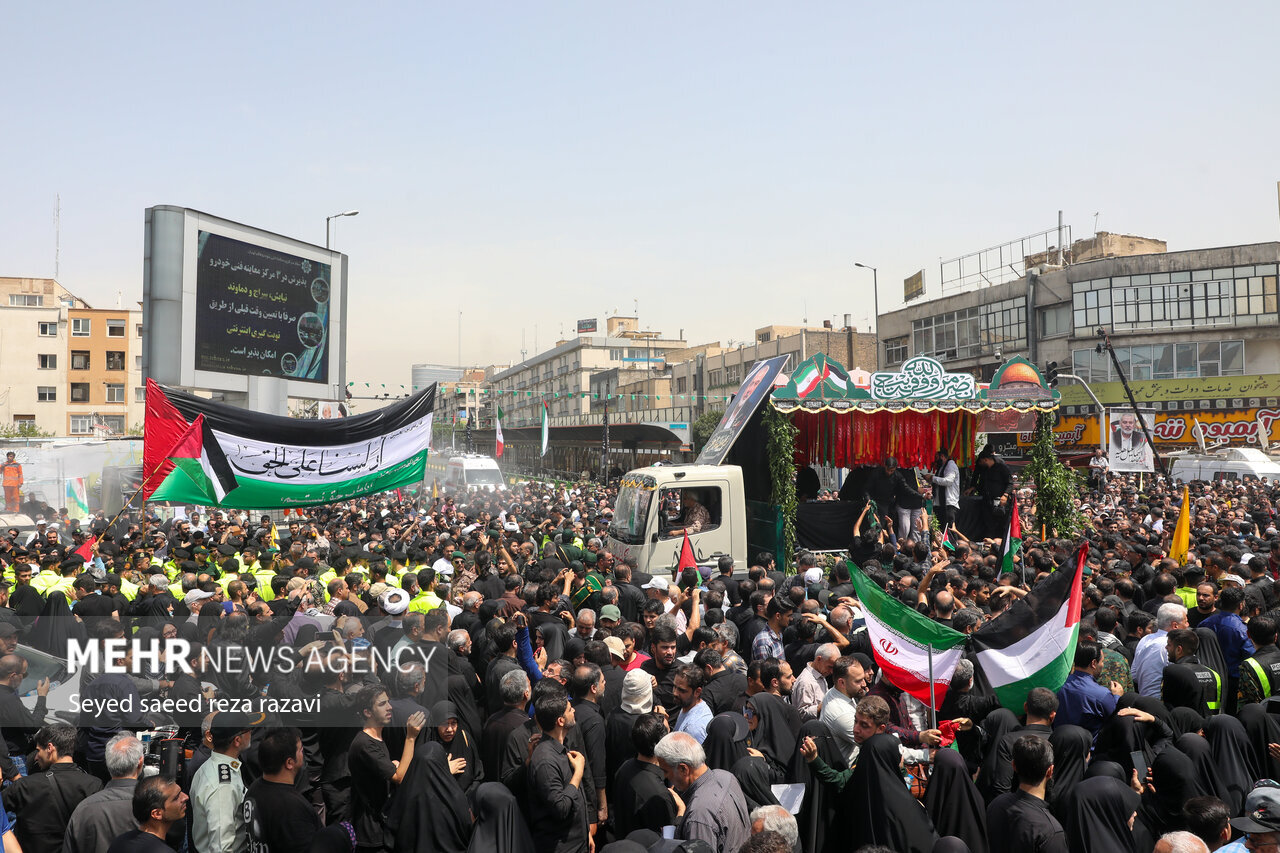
702,428
23,429
780,450
1057,486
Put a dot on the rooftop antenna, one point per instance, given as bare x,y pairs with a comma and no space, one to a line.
1095,222
1263,442
57,234
1197,432
522,349
805,320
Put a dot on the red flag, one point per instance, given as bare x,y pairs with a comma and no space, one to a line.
687,560
86,550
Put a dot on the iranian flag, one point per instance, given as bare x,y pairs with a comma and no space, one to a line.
546,429
1012,538
809,378
497,452
903,640
206,453
1033,643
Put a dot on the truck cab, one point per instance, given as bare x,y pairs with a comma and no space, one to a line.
656,505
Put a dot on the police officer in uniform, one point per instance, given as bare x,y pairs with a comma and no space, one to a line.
1260,674
217,790
1187,682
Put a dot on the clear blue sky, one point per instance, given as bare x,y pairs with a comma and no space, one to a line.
724,163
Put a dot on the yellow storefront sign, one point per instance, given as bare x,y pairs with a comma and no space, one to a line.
1172,430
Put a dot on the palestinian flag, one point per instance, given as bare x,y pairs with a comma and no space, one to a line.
546,429
950,538
809,378
499,445
200,452
903,640
86,550
197,462
1033,643
1012,538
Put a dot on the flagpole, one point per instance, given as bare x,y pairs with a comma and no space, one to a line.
933,694
147,479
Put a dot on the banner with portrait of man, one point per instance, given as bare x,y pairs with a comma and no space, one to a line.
1127,446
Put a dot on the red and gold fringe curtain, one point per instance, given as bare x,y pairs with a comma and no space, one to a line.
846,440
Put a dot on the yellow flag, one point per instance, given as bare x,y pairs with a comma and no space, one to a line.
435,489
1182,533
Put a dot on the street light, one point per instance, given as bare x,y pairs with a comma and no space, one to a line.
875,290
329,219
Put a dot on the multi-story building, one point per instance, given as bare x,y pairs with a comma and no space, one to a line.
1192,330
105,391
69,369
562,375
709,375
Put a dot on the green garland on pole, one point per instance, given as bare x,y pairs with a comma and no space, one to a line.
780,450
1057,486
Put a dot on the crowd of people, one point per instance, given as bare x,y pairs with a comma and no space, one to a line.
478,671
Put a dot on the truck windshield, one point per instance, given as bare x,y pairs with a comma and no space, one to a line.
484,477
631,515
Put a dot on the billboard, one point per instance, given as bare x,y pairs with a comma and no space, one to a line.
1127,447
913,286
1172,430
224,303
757,385
260,312
585,326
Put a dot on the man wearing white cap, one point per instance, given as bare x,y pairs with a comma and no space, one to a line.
658,589
195,601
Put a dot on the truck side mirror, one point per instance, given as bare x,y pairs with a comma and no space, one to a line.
655,538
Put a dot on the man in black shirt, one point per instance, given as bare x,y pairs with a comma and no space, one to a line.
641,799
19,725
158,803
1020,820
279,819
45,799
558,816
1000,777
586,687
515,691
1186,682
89,605
723,685
662,647
369,763
725,564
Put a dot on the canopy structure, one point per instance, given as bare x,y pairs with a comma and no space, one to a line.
848,421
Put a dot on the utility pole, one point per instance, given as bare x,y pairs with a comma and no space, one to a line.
1105,343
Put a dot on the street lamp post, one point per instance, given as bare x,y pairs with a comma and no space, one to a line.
1102,412
875,293
329,219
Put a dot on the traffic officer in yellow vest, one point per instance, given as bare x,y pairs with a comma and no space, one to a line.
217,791
1260,673
423,598
48,576
1187,683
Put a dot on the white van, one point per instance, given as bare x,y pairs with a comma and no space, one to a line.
1232,463
472,471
